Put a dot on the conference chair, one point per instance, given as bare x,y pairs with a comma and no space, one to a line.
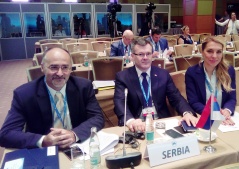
76,47
39,57
107,50
183,49
203,36
87,40
159,62
106,68
237,84
221,38
228,37
199,46
172,42
232,58
48,41
34,73
235,37
179,81
117,38
184,62
195,37
66,41
236,45
104,39
100,45
78,57
46,46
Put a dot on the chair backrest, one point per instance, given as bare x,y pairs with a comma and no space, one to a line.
107,50
237,85
221,38
236,45
78,57
160,62
100,45
34,73
182,62
199,46
235,37
87,40
203,36
39,57
117,38
172,42
65,41
106,68
46,46
76,47
183,49
230,58
228,37
104,39
48,41
195,37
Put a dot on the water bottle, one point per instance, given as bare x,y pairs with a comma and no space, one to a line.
86,61
127,58
95,158
149,128
105,49
45,48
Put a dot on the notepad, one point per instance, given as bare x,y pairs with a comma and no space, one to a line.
101,84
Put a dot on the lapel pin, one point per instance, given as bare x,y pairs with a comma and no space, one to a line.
155,75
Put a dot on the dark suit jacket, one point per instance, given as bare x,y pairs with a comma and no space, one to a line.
162,42
31,106
162,86
117,49
196,89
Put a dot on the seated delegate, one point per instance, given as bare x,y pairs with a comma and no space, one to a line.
213,75
55,109
185,38
148,86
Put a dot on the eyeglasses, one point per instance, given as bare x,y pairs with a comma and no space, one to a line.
143,54
55,68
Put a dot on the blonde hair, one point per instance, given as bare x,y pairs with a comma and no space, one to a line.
184,27
223,77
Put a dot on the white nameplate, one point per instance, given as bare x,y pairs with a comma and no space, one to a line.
172,150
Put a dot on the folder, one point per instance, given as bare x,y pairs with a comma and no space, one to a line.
38,158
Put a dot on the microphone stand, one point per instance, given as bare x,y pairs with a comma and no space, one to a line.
209,148
125,160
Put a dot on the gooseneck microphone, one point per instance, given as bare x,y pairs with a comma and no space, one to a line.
125,160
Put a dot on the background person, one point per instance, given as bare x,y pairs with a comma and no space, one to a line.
160,86
213,74
185,38
159,43
121,47
232,24
60,31
46,122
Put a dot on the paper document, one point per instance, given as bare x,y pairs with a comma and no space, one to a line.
105,83
107,143
14,164
235,118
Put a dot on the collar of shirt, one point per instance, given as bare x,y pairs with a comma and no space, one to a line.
139,72
53,92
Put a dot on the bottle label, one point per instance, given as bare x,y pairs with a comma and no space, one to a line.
95,158
149,135
86,64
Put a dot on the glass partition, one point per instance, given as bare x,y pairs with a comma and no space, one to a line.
82,22
60,24
34,24
161,20
124,21
102,23
10,25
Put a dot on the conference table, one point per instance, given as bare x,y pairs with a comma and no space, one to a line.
226,153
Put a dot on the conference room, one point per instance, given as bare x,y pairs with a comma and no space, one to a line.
32,36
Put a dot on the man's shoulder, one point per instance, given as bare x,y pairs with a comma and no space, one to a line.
117,43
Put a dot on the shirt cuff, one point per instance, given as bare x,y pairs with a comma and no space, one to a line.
128,121
77,139
187,112
229,111
39,143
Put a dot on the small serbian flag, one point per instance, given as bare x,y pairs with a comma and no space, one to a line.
216,116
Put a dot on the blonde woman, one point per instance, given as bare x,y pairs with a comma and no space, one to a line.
212,75
185,38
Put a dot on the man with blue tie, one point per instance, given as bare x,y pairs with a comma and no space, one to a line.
122,47
148,86
159,43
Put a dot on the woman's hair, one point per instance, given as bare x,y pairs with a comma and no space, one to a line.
223,77
184,27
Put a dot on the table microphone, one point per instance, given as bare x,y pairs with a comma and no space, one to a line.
126,159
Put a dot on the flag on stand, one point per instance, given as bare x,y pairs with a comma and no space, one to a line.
216,116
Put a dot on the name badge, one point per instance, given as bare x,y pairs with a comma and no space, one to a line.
172,150
147,110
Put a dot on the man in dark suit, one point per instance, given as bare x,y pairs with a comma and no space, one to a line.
141,100
122,47
159,43
36,119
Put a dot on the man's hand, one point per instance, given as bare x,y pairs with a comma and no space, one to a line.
61,137
155,54
190,119
136,125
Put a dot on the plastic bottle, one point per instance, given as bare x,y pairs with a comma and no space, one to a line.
95,158
45,48
105,49
86,61
149,128
127,58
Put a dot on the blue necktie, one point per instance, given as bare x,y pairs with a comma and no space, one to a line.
146,87
126,49
156,47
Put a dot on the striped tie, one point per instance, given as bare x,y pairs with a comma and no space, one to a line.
60,107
